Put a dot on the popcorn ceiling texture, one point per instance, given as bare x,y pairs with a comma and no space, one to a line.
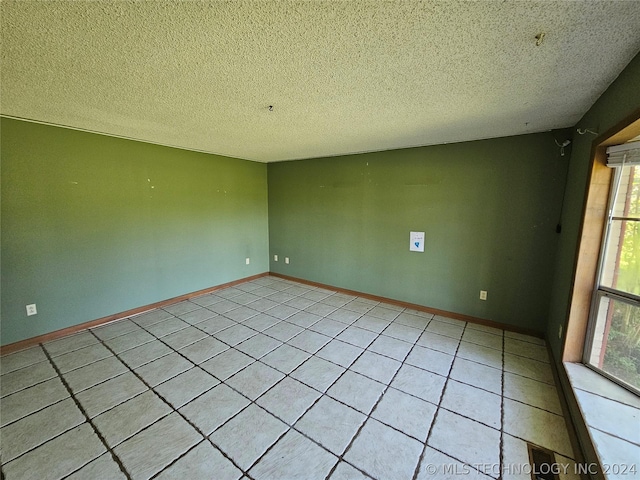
342,77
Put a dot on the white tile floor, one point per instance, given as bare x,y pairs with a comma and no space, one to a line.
273,379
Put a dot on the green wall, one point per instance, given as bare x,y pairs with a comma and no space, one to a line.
620,100
489,209
94,225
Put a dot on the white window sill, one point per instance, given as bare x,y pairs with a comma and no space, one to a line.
612,416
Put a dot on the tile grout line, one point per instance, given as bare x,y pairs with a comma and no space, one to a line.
531,378
196,428
533,406
174,316
322,394
333,338
22,390
291,427
245,472
190,449
254,402
347,369
435,415
402,363
377,402
92,362
99,340
150,388
203,393
220,382
212,335
59,376
309,327
604,397
46,441
502,408
614,436
39,409
177,316
88,420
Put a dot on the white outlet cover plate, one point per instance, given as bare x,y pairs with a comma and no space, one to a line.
416,242
31,310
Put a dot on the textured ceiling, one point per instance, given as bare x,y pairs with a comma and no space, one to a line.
342,77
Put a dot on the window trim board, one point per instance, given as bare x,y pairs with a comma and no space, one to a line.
594,217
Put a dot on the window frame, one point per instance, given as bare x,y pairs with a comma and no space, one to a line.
590,240
600,290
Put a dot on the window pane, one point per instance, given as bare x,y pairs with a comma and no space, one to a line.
616,343
628,198
621,267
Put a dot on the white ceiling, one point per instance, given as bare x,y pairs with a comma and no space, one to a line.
343,77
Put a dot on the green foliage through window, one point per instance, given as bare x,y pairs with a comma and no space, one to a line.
622,354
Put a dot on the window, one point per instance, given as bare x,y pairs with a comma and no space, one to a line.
613,340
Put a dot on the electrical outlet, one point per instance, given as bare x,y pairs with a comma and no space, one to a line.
483,294
247,260
560,332
286,260
31,310
275,258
